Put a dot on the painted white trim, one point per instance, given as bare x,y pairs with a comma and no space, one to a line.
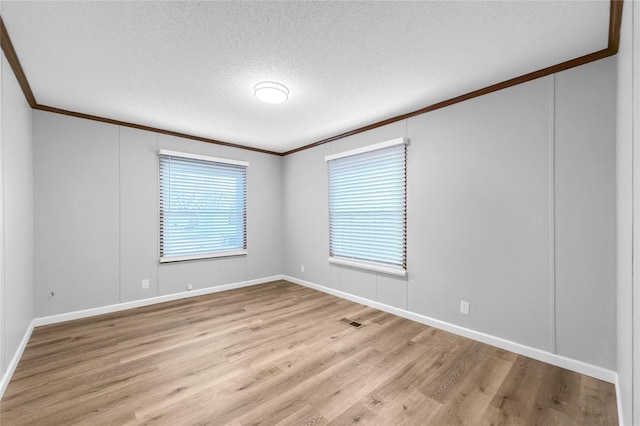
11,368
369,148
634,10
202,157
53,319
618,401
170,259
552,215
371,266
3,299
85,313
538,354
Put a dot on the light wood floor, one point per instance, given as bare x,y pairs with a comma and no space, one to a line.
279,353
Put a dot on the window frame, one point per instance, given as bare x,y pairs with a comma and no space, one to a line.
381,267
163,258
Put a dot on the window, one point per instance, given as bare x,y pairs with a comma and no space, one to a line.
367,207
202,207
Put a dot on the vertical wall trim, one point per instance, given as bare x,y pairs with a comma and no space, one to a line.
3,299
119,264
635,199
552,212
157,174
406,280
120,298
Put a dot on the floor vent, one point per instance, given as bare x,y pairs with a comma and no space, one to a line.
351,323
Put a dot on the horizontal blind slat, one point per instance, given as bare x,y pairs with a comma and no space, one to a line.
367,206
202,207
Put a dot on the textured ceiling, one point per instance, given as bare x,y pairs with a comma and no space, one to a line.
190,66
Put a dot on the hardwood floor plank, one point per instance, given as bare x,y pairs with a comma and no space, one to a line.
356,414
476,382
406,408
514,403
279,353
595,394
307,416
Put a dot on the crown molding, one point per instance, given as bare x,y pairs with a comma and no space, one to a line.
149,128
14,62
615,20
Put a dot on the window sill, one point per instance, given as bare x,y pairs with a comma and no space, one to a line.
376,267
203,256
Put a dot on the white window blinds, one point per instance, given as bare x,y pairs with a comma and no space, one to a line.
202,207
367,207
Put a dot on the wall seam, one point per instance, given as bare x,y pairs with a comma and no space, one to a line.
120,298
406,280
157,216
552,212
635,238
3,342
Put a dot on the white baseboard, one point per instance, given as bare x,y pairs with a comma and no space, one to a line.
53,319
619,402
538,354
85,313
11,368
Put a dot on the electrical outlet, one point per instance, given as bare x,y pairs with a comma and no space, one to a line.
189,287
301,268
145,284
464,307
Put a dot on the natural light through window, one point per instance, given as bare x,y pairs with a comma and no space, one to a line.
367,207
202,207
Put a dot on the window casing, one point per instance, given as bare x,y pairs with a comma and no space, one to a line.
367,207
202,206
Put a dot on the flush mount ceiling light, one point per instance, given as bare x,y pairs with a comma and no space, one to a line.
271,92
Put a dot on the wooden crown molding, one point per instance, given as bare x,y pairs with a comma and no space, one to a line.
615,20
150,129
12,58
14,62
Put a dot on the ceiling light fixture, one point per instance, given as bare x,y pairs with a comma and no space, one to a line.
271,92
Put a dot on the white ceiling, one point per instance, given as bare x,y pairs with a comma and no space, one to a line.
190,66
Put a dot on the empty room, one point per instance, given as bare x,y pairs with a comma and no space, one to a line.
320,212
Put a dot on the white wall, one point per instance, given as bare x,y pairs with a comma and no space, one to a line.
585,218
510,206
478,214
76,213
16,218
96,196
511,201
628,210
2,297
